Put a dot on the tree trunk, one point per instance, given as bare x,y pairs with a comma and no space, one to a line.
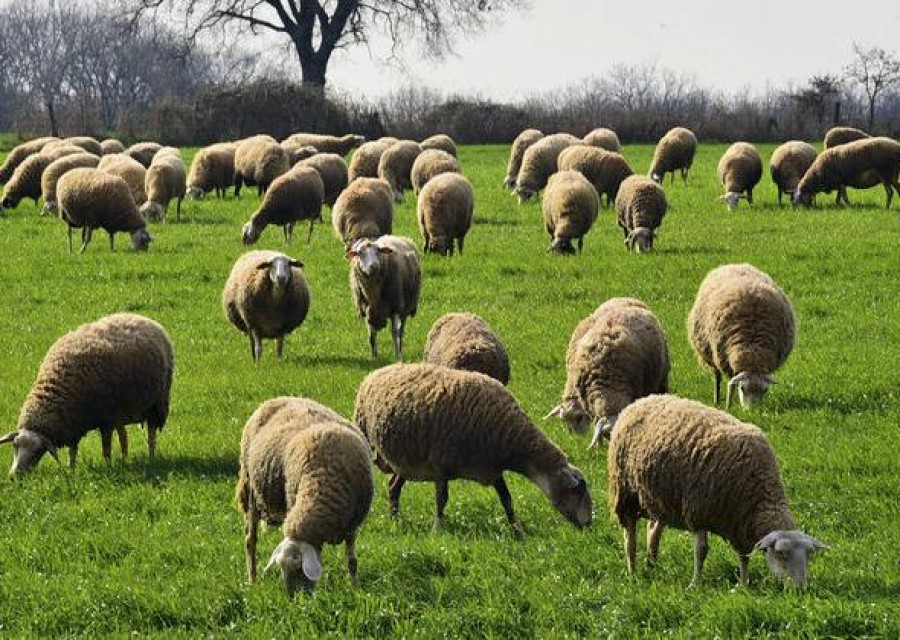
871,115
313,68
51,114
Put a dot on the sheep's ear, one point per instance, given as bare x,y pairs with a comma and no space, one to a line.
262,266
815,545
571,477
555,412
385,250
351,253
767,541
312,562
296,263
9,437
281,552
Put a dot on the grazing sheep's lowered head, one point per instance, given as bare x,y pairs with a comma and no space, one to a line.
731,199
300,564
141,239
751,388
788,552
640,239
801,197
28,449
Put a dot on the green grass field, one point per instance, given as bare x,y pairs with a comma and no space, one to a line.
158,549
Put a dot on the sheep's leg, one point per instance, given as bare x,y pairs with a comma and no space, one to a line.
86,234
701,548
441,495
255,346
779,196
684,173
69,234
373,344
112,241
106,443
178,210
73,455
506,501
654,534
580,244
123,440
251,526
397,333
717,388
672,181
350,552
750,196
395,486
238,183
889,191
630,532
459,241
279,346
309,235
151,441
745,571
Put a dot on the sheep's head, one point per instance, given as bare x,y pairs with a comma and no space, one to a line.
561,246
657,178
568,492
49,208
153,211
731,199
28,448
442,245
366,255
300,564
573,414
280,270
250,233
141,240
751,388
788,552
802,197
195,193
640,239
509,182
9,202
524,193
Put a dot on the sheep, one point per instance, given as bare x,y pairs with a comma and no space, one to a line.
640,208
430,163
87,143
739,170
616,355
167,151
333,170
165,181
211,168
293,196
859,164
742,326
433,423
305,467
365,209
143,152
465,341
266,296
90,199
385,278
604,139
130,170
102,375
570,208
55,171
395,166
842,135
341,145
604,169
110,146
445,208
258,161
296,152
440,141
19,153
26,179
539,163
524,140
788,164
674,151
364,163
684,465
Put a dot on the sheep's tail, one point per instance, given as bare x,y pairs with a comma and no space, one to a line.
242,493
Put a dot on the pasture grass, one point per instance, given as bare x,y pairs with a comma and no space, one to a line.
157,549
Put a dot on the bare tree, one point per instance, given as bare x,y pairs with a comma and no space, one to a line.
875,70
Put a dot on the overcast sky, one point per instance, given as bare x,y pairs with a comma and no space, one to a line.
559,42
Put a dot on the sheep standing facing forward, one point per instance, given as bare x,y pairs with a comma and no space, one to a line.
788,164
433,423
641,206
395,166
365,209
674,152
305,467
539,163
465,341
570,207
524,140
739,170
741,326
165,181
444,211
684,465
211,168
103,375
293,196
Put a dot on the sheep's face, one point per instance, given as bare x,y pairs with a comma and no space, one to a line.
300,564
366,255
509,182
141,240
9,203
280,270
570,496
573,414
250,233
441,245
751,387
195,193
28,448
731,200
561,246
640,240
804,198
524,193
788,553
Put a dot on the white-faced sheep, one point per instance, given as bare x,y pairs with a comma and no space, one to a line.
433,423
364,163
741,326
341,145
395,166
684,465
641,206
103,375
674,152
110,146
524,140
305,467
266,297
740,169
211,168
365,209
293,196
165,181
604,139
465,341
836,136
570,207
604,169
90,199
430,163
385,279
539,163
440,141
143,152
130,170
19,153
333,170
445,208
55,171
788,164
257,162
615,356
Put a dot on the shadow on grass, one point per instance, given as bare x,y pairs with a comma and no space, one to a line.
496,222
361,363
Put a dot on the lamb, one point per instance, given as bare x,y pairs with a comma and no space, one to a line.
570,207
102,375
842,135
266,296
739,170
604,169
55,171
640,208
465,341
211,168
616,355
604,139
110,146
741,326
91,198
385,278
430,163
294,196
165,181
539,163
341,145
684,465
440,141
674,152
333,171
524,140
26,179
395,166
87,143
788,164
305,467
365,209
445,208
19,153
258,161
859,164
143,152
364,163
130,170
433,423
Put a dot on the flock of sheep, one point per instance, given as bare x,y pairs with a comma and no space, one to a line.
673,461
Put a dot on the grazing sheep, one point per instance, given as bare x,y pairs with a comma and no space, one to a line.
640,208
615,356
266,296
741,326
395,166
55,171
430,163
333,170
293,196
433,423
842,135
440,141
385,277
19,153
257,162
341,145
365,209
445,208
604,139
684,465
110,146
90,199
674,152
465,341
364,163
307,468
740,169
143,152
604,169
539,163
87,143
130,170
103,375
788,164
211,168
297,152
524,140
26,179
860,164
570,207
165,181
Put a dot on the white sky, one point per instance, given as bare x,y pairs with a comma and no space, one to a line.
558,42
